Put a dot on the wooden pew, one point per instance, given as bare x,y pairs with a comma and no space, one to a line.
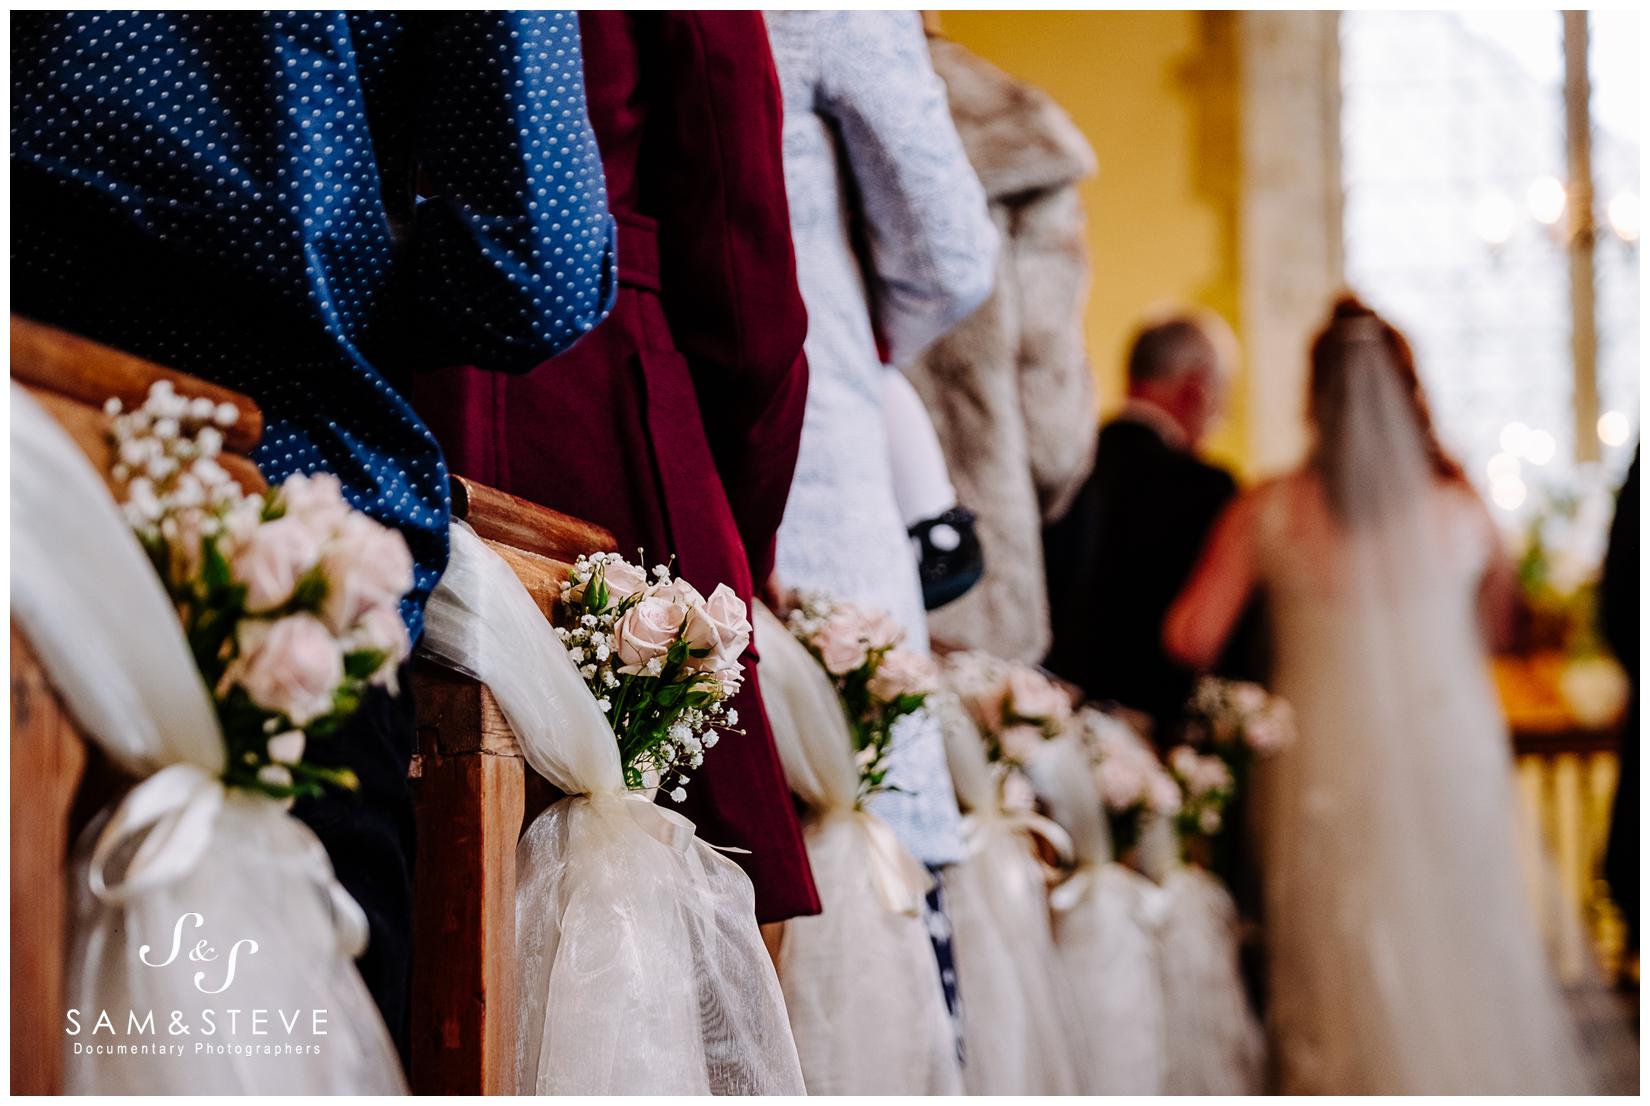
474,796
57,777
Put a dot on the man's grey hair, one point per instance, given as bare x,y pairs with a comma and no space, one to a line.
1172,345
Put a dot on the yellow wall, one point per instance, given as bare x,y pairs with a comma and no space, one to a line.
1156,95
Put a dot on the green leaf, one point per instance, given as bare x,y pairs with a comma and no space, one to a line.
362,663
311,590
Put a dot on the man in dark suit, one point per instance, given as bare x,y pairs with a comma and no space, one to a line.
1119,557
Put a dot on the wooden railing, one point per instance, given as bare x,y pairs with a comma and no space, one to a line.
471,788
1567,774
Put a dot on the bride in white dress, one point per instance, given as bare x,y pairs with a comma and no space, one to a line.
1403,949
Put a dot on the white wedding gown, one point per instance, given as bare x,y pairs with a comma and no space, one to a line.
1404,953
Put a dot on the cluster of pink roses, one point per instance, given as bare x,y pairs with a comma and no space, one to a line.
661,659
1206,787
1131,781
1234,713
658,614
877,681
323,586
290,599
1015,706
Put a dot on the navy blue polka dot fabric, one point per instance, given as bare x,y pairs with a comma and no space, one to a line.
307,207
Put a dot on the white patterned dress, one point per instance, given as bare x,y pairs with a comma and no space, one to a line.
885,211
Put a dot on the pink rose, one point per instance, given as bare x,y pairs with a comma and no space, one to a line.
841,642
646,632
1164,794
1248,698
1020,743
291,666
880,630
366,566
720,624
902,672
316,499
273,559
1033,696
1183,761
382,631
1122,782
623,580
680,592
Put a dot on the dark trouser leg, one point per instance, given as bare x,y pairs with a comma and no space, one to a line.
369,836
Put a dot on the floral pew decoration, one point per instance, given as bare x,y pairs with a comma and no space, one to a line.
1215,1044
641,968
252,628
1019,1017
1106,914
860,980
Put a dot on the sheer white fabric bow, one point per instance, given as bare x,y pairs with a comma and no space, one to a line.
640,966
180,861
1106,918
1020,1033
860,979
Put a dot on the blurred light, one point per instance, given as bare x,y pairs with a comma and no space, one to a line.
1503,466
1613,428
1514,437
1624,215
1540,447
1545,199
1508,494
1494,217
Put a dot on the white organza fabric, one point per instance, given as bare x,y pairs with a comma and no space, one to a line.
860,979
180,864
1107,920
1215,1045
1404,954
641,969
1019,1021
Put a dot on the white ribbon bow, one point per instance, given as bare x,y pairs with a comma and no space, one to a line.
977,826
902,882
663,825
179,807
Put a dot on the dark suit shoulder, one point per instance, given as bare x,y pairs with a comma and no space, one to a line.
1131,450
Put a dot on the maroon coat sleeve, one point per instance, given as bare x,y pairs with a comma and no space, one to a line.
717,183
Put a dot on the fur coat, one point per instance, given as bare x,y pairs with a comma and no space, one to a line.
1009,390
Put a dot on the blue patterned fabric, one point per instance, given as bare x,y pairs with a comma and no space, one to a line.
236,195
940,936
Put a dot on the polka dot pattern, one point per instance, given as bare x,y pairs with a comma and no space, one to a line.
234,195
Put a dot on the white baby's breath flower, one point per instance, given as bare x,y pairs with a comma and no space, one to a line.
287,748
678,795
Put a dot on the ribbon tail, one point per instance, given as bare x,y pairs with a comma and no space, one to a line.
1069,894
902,882
178,805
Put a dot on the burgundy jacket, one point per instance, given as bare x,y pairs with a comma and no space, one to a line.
675,423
